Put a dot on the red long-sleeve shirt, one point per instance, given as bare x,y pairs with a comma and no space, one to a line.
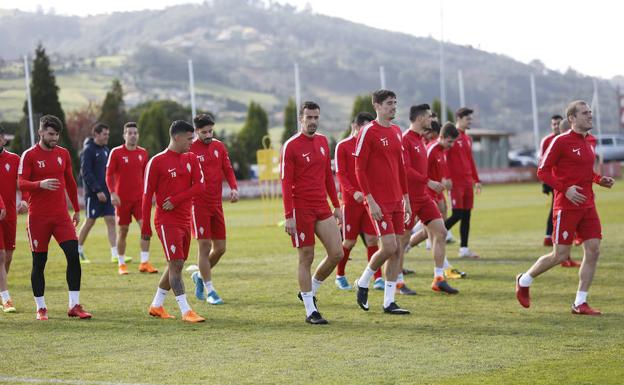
215,164
177,177
37,164
344,160
415,158
379,163
306,173
461,164
545,143
9,163
437,168
568,161
125,171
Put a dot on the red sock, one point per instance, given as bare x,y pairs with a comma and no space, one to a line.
340,270
370,250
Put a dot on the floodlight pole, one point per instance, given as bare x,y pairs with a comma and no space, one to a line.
595,106
460,81
382,77
297,91
536,138
192,89
442,80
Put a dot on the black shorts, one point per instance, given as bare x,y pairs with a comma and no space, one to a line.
97,209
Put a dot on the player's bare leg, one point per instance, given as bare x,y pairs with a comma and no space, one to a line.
217,251
121,239
306,295
544,263
329,235
437,230
86,227
342,282
145,266
591,249
207,250
172,279
404,240
6,304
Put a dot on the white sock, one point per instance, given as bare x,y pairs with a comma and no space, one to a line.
581,297
5,296
208,286
525,280
121,260
449,235
389,292
114,252
463,250
400,278
428,244
159,298
446,264
365,278
308,302
184,306
315,285
144,256
438,272
74,298
80,249
40,301
408,247
417,228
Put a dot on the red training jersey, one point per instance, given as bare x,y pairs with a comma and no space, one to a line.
9,163
568,161
437,168
379,163
415,158
545,143
125,171
306,173
344,160
460,161
215,163
37,164
175,177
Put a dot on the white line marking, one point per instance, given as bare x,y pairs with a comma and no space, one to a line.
31,380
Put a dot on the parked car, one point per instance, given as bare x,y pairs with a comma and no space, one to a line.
611,147
522,158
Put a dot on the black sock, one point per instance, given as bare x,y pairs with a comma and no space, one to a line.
37,277
74,272
464,228
454,218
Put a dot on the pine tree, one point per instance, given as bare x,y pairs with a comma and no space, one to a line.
114,113
154,129
362,103
255,128
290,120
45,100
436,106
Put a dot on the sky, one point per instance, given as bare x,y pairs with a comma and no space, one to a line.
583,35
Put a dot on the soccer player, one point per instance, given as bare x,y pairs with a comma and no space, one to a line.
125,171
9,163
355,219
307,180
422,205
175,176
45,172
98,204
207,212
381,176
567,166
555,120
464,177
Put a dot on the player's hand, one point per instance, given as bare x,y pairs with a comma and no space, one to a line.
22,207
435,186
168,206
76,219
290,226
234,196
338,215
407,208
606,181
2,214
373,207
447,183
102,197
358,196
477,188
115,200
574,195
51,184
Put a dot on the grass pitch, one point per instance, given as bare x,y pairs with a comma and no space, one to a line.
481,336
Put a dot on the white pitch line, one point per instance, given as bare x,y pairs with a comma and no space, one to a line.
32,380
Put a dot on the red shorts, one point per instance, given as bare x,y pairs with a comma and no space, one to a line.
393,221
355,220
176,241
462,196
208,222
305,220
42,228
7,234
127,210
437,197
584,222
425,210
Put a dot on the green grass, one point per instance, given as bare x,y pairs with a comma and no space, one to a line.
482,336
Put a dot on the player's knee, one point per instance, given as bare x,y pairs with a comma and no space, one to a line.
348,244
3,257
219,250
123,231
389,248
336,255
560,256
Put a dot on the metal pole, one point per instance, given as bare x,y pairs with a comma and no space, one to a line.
596,111
535,120
382,77
297,91
192,89
442,85
460,80
29,101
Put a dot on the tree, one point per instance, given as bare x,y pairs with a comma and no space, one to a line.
362,103
80,121
45,100
154,129
436,106
255,128
290,120
173,110
114,113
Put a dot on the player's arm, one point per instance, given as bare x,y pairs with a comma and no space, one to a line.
149,187
330,185
86,170
197,184
549,160
70,184
341,159
413,176
473,168
287,174
111,173
228,171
